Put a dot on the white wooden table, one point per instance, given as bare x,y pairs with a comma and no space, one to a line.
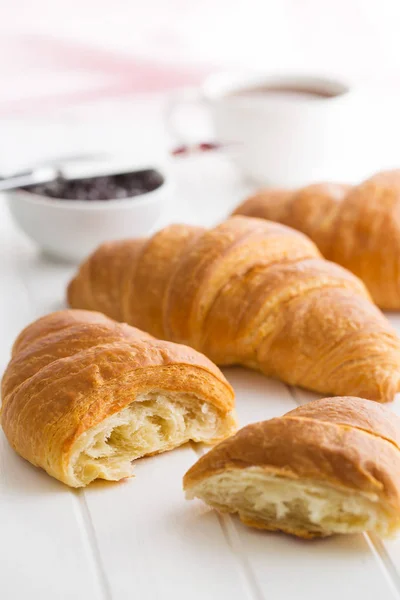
141,539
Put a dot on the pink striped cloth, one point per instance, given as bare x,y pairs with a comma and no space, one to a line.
41,73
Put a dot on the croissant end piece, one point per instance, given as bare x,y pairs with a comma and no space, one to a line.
357,227
253,293
83,396
332,466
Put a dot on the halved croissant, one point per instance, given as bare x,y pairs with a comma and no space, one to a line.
248,292
83,396
332,466
357,227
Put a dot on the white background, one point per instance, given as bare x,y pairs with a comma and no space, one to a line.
141,539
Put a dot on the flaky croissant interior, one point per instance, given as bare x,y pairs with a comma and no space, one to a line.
303,507
154,422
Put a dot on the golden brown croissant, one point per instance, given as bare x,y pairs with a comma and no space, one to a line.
331,466
253,293
357,227
83,396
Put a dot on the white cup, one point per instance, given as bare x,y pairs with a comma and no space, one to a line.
310,132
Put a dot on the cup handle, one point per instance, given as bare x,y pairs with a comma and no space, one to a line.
185,97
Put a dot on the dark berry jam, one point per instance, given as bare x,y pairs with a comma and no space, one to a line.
108,187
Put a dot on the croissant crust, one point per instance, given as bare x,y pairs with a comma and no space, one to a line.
357,227
253,293
331,466
83,396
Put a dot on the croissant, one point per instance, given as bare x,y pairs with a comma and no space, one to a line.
357,227
83,396
253,293
331,466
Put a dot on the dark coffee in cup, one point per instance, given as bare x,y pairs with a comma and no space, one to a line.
284,91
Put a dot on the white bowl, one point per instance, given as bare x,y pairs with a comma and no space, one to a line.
72,229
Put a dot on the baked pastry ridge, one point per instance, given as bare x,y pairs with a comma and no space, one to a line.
253,293
331,466
355,226
83,396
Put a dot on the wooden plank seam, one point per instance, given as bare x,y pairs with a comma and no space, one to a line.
232,538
